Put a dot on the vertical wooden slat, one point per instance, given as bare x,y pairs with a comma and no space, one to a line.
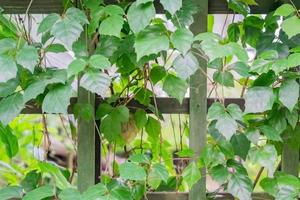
198,103
290,160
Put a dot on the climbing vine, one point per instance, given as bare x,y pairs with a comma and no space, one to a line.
121,53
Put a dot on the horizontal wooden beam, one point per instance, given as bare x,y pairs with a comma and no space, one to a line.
165,105
51,6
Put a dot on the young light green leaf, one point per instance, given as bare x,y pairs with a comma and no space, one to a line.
96,82
191,174
57,100
186,65
291,26
152,40
131,171
112,26
9,140
293,60
10,107
172,6
288,94
28,57
140,15
182,39
8,68
7,44
285,10
48,22
259,99
99,61
175,87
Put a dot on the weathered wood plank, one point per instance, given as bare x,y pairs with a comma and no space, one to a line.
51,6
165,105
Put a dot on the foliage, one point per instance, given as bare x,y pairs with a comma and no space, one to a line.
126,51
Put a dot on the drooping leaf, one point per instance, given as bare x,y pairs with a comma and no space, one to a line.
94,192
291,26
96,82
171,5
31,180
110,128
153,127
219,173
184,16
112,25
259,99
157,73
9,140
140,15
151,40
10,107
233,32
185,66
241,145
289,94
56,48
175,87
227,126
239,7
7,44
8,68
140,118
113,10
28,57
57,100
182,39
131,171
191,174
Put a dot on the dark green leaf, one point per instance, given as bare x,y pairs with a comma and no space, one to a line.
175,87
153,127
241,145
9,140
157,73
140,118
48,23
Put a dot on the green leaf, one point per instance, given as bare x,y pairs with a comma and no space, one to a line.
153,127
139,158
280,65
76,66
269,55
11,192
96,82
40,193
219,173
289,94
28,57
224,78
48,22
10,107
143,95
70,194
216,111
241,145
60,180
94,192
140,117
185,66
233,32
241,68
8,88
103,110
157,73
171,5
157,174
31,180
261,66
240,186
99,62
291,26
227,126
285,10
293,60
138,2
8,68
9,140
120,114
239,7
113,10
110,128
253,135
131,171
184,16
235,112
259,99
67,31
182,39
191,174
265,156
152,40
175,87
112,26
77,15
292,117
140,15
269,185
270,132
56,48
57,100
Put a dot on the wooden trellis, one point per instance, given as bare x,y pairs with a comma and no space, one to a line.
89,155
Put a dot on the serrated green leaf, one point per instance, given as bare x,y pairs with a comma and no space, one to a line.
112,26
253,135
57,100
191,174
28,57
48,22
241,68
182,39
9,140
175,87
96,82
289,94
184,16
110,128
219,173
10,107
185,66
216,111
171,5
98,61
95,192
293,60
140,15
233,32
239,7
131,171
259,99
8,68
151,40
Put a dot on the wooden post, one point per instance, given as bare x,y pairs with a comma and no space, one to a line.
198,103
290,160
